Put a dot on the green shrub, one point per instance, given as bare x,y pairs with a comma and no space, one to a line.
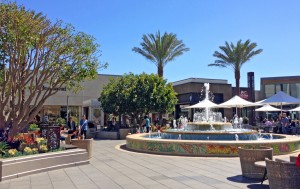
3,147
60,121
33,127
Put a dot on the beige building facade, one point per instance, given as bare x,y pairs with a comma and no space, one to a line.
77,104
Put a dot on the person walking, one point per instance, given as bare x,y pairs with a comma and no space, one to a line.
83,126
147,123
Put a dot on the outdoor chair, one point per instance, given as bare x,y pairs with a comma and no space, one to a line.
293,159
282,175
248,156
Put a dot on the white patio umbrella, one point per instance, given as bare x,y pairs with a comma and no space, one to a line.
236,102
203,104
295,109
267,108
259,103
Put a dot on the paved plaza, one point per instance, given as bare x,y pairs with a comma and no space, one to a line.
114,168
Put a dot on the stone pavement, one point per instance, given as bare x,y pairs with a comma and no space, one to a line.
113,168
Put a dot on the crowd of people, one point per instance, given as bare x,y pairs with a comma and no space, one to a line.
282,124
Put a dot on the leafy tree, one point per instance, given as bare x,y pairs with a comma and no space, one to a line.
137,95
161,49
39,58
234,57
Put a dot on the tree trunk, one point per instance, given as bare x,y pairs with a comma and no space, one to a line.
160,70
237,87
237,82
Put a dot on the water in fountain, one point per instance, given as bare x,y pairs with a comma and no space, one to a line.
271,136
174,124
236,137
240,122
235,122
212,127
158,132
179,137
184,123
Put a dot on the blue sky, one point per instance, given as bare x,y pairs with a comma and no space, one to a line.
118,26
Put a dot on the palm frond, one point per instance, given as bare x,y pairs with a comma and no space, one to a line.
234,56
161,49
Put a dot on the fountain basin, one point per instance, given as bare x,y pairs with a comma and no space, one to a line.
207,126
284,144
233,134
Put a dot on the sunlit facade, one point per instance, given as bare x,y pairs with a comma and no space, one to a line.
76,104
288,84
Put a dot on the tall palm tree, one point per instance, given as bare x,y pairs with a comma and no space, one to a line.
161,49
234,57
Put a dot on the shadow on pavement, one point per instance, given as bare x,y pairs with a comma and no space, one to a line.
241,179
258,186
253,183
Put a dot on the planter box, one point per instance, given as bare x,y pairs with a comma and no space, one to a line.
108,135
26,165
247,158
86,144
123,133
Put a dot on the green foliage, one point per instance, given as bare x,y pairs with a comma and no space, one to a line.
38,58
3,147
234,56
33,127
161,49
137,95
60,121
75,119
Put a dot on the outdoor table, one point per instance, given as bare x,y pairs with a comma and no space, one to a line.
262,164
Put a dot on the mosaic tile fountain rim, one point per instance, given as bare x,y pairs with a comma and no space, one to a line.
287,144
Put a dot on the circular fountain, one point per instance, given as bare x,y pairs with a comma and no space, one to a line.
209,135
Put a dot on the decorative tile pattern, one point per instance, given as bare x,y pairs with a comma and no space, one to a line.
198,148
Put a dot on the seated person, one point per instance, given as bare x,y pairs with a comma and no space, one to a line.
268,125
62,132
73,131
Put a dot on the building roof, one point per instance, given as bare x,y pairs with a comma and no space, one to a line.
200,80
281,77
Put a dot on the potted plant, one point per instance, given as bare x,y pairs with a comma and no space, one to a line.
34,129
249,155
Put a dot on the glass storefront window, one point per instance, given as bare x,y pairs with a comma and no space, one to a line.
295,90
51,113
277,88
286,88
269,90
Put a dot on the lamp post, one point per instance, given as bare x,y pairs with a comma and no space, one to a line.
67,109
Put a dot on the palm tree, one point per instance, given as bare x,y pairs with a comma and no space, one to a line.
161,49
234,57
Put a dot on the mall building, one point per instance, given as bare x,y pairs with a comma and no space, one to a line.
288,84
189,92
77,104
